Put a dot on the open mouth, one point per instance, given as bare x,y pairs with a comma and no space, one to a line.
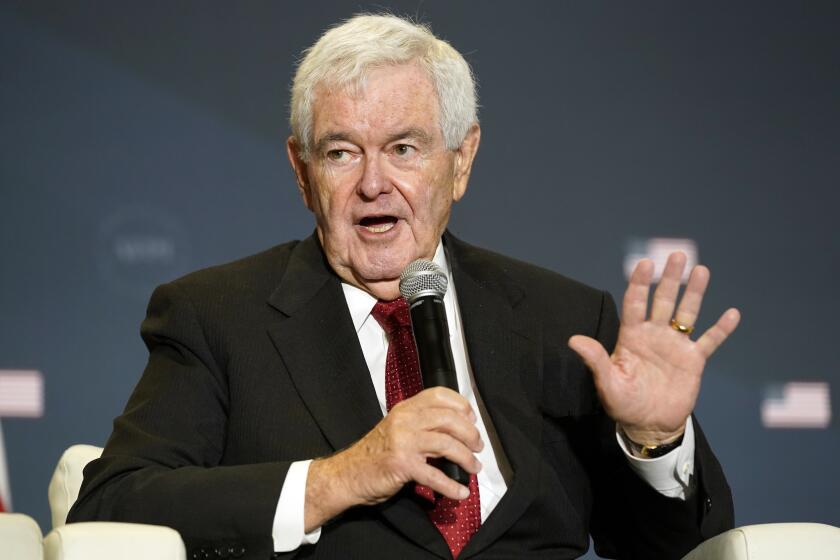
378,224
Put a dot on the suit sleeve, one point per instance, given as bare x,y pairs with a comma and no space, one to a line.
163,462
630,519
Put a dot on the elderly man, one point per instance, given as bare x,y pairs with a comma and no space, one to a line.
281,411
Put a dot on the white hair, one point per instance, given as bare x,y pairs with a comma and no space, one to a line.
345,53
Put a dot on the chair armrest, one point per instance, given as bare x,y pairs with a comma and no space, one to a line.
772,541
20,537
99,540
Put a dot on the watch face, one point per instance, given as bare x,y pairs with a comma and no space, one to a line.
650,451
654,451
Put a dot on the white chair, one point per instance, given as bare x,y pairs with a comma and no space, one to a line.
67,480
99,540
107,541
772,541
20,537
128,541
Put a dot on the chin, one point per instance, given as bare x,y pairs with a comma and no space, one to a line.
381,270
385,263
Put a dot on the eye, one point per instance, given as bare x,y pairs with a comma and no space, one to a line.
337,155
403,149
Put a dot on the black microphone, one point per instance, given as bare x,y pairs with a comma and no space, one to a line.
423,285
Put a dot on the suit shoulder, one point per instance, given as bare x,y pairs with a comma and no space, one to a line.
563,306
531,278
258,273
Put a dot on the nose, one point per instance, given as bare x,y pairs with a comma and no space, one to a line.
374,181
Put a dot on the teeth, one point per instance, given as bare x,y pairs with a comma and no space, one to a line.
380,229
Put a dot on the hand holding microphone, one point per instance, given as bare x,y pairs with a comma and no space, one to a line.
423,285
437,422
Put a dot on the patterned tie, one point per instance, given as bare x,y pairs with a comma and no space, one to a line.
457,520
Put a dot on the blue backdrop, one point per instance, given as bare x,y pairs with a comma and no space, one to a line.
141,141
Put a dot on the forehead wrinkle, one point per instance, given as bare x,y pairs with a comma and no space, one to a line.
375,114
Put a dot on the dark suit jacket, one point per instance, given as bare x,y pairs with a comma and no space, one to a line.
256,364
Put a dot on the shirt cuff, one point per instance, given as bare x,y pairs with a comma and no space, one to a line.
288,528
670,475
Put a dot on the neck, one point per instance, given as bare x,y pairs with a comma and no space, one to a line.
386,290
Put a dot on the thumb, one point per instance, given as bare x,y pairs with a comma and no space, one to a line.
592,352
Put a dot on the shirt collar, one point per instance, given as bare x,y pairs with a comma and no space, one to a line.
361,303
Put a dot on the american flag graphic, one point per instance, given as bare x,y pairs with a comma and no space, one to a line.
657,249
21,396
5,490
799,404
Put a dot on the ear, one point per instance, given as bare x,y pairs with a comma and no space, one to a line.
301,169
464,157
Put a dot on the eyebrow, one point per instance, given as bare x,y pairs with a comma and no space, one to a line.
416,133
419,134
329,138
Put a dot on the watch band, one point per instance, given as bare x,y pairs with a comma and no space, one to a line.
651,451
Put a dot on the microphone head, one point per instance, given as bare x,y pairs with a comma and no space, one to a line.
422,278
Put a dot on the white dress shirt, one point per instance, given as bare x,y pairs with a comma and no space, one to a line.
669,474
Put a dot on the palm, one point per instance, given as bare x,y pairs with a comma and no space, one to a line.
650,382
654,377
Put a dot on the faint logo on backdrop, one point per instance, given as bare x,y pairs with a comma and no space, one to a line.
657,249
799,404
141,247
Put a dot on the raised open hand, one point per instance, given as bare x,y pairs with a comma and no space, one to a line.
650,383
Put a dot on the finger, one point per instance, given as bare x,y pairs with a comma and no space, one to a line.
441,397
593,354
718,332
453,424
434,478
665,296
634,308
692,299
435,444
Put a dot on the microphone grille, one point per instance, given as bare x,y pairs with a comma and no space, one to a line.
422,278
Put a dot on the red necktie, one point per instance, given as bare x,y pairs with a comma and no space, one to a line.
457,520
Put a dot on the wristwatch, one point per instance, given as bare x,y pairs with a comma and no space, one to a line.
651,451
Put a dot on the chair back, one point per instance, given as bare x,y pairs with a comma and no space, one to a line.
772,541
67,480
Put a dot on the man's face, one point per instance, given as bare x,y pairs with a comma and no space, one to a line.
379,179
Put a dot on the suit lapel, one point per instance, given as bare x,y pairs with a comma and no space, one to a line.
501,348
320,349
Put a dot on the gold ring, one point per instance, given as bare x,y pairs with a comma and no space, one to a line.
679,327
